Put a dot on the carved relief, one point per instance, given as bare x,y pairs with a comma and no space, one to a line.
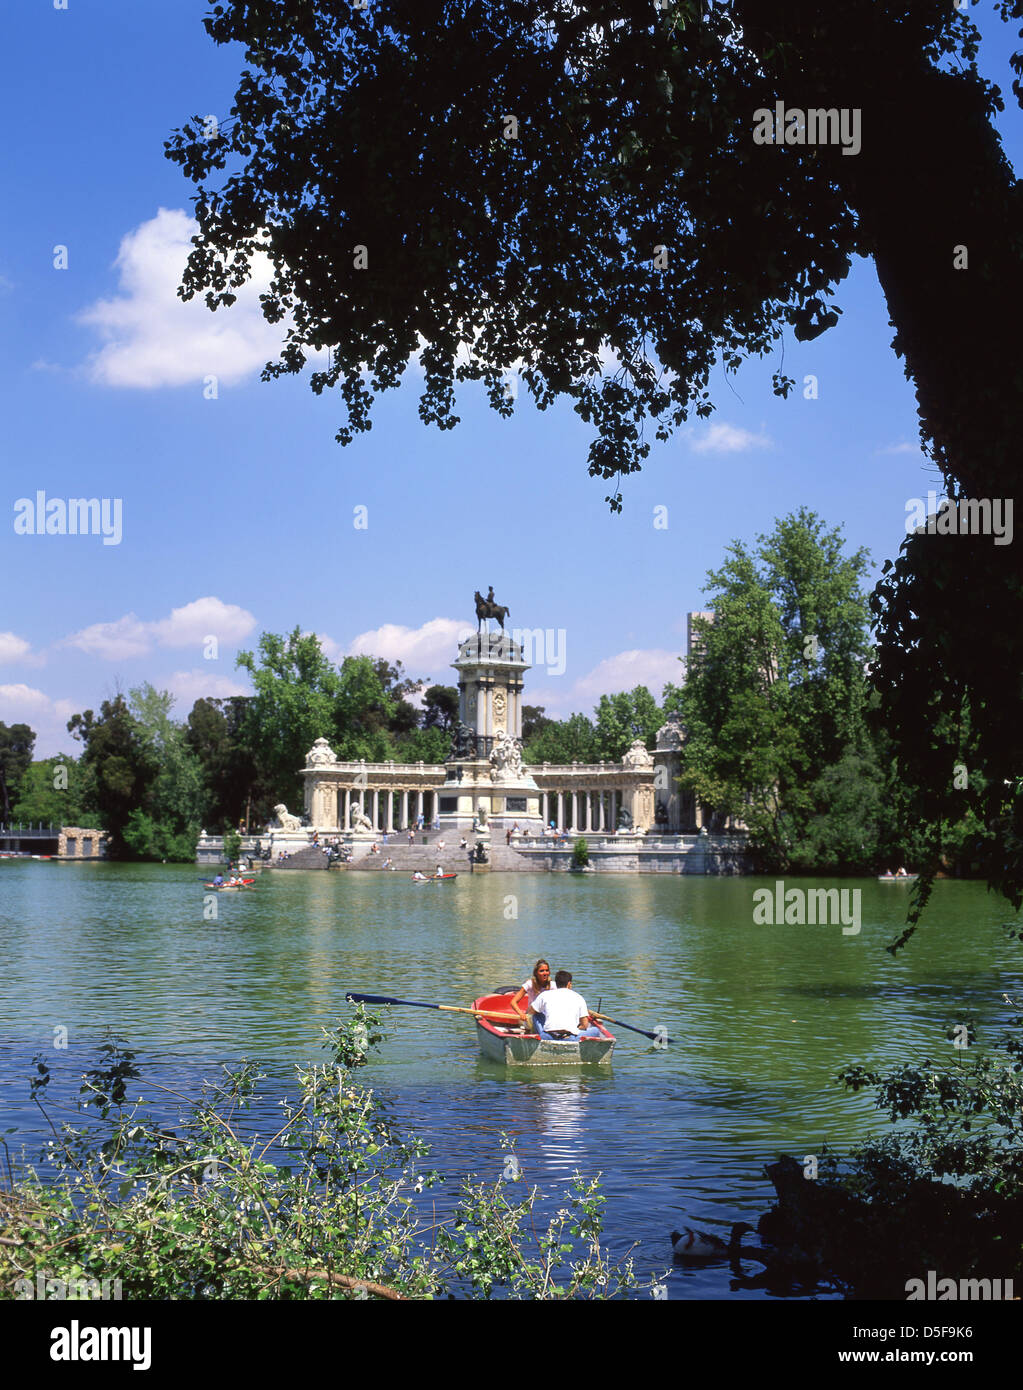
500,708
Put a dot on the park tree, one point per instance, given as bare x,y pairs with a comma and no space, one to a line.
167,824
571,740
621,718
587,194
297,690
301,695
55,791
440,707
235,788
16,744
776,687
122,762
534,719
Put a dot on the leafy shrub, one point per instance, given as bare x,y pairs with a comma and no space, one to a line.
199,1209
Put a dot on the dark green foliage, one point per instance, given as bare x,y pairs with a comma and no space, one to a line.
622,718
55,791
440,707
16,744
776,691
944,1191
234,783
571,740
123,762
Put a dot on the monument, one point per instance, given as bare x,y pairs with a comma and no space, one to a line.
486,787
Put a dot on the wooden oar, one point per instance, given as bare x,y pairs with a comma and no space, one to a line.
656,1037
421,1004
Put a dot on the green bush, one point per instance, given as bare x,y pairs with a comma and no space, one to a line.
580,854
198,1209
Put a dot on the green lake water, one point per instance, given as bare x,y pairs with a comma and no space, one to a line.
762,1017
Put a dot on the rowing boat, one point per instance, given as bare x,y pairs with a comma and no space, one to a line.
897,878
435,878
503,1043
230,887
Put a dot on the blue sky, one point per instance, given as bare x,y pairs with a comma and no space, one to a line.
238,511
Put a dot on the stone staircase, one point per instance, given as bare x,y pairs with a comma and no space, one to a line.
312,857
407,858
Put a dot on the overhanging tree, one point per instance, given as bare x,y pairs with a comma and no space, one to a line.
574,191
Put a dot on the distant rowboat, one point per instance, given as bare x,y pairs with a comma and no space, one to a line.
897,878
435,878
502,1043
230,887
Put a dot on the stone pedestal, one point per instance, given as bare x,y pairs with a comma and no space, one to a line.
286,840
485,773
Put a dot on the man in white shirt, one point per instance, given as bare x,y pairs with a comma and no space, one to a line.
561,1013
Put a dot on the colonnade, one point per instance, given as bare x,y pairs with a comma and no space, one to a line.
584,810
382,804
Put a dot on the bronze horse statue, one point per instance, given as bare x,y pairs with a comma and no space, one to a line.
486,608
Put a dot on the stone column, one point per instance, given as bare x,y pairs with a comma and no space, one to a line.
404,808
419,804
390,809
600,804
375,817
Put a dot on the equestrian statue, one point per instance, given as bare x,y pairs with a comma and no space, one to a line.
487,608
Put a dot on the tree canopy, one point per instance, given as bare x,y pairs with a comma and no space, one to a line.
16,744
576,193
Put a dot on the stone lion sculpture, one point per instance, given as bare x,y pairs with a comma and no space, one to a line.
283,819
357,818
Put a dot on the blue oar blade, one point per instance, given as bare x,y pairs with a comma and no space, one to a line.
654,1037
354,998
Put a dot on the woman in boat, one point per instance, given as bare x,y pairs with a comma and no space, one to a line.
536,984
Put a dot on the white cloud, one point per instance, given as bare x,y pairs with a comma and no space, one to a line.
127,637
12,647
197,684
653,668
23,704
16,700
189,626
728,439
900,449
426,651
152,338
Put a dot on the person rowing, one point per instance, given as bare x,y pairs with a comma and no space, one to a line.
561,1013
